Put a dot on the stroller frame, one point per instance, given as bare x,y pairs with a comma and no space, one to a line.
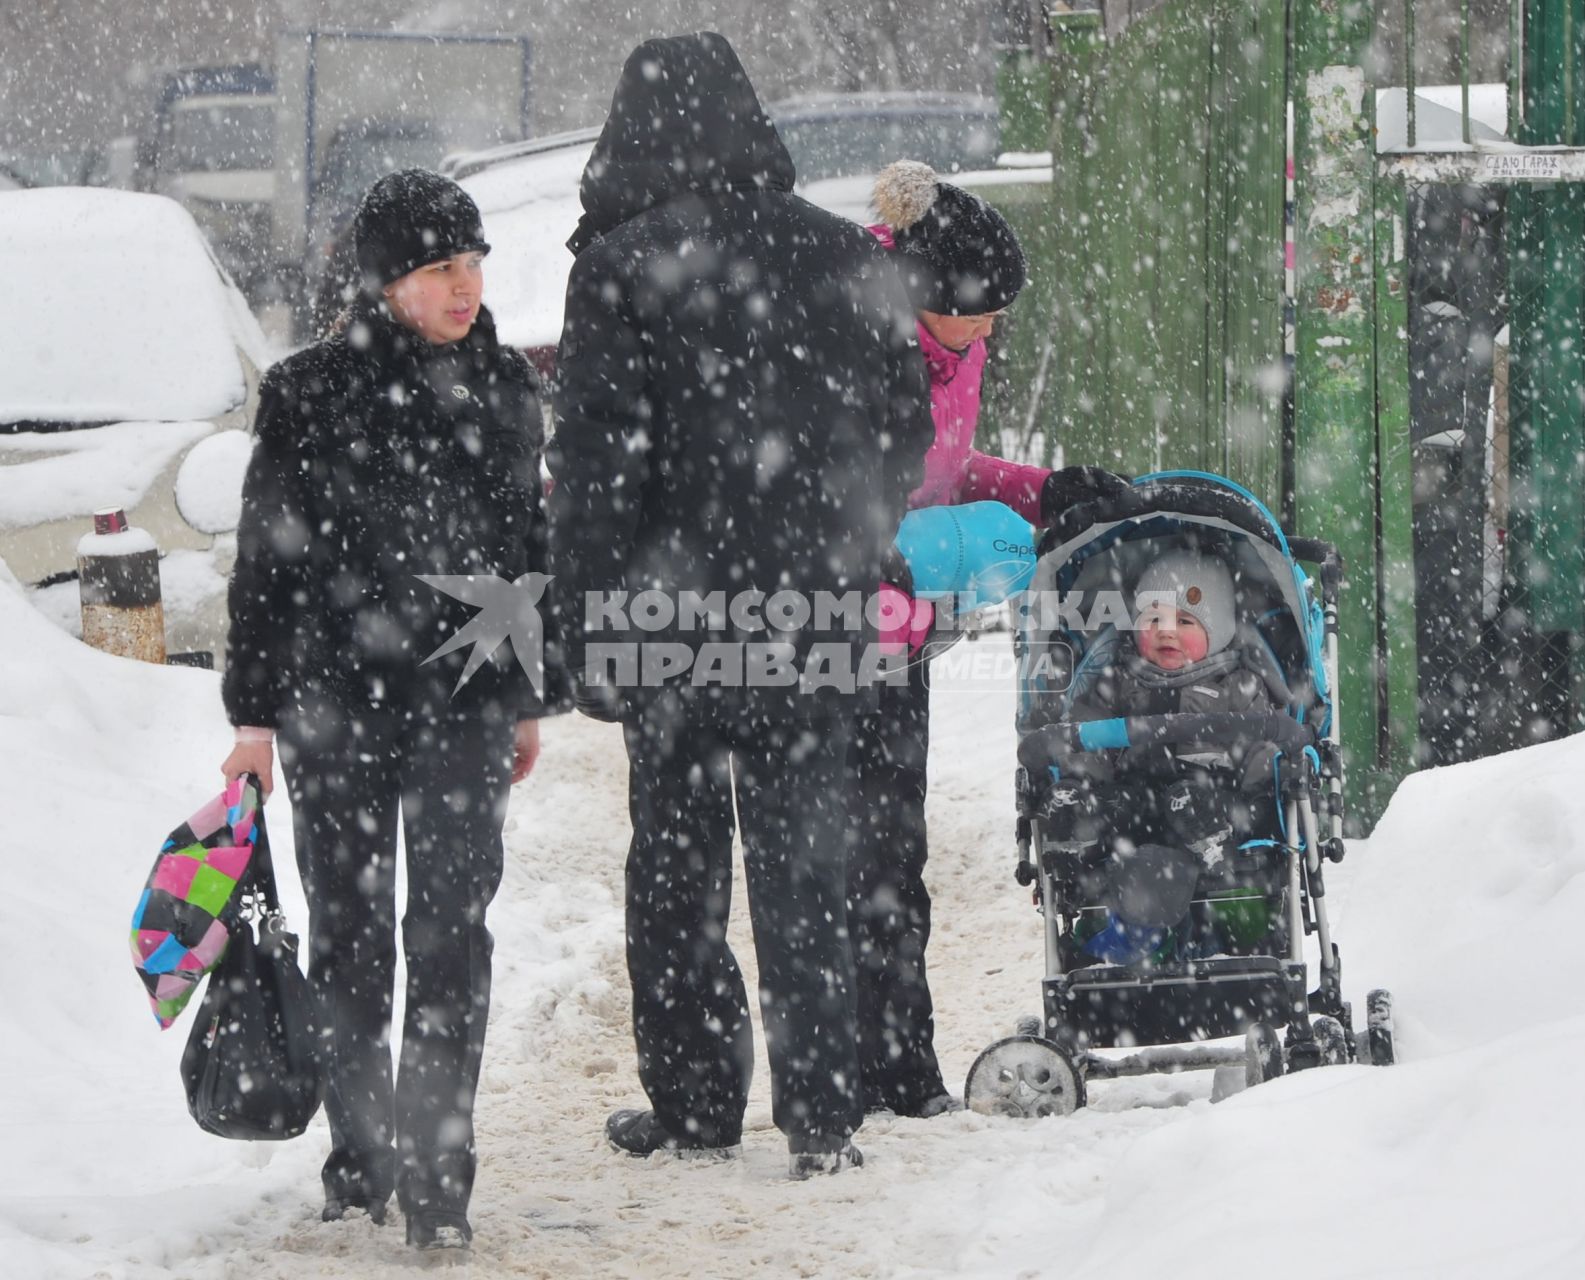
1166,1012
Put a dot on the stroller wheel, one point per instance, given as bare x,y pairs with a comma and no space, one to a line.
1024,1077
1379,1028
1262,1054
1331,1040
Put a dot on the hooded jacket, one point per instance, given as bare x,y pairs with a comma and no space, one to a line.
380,457
741,402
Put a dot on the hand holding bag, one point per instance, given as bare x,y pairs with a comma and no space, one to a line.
251,1066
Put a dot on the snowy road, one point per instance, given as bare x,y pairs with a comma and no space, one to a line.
1459,1162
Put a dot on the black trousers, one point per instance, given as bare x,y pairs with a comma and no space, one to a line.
447,781
688,761
888,905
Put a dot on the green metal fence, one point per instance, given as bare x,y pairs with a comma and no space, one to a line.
1167,241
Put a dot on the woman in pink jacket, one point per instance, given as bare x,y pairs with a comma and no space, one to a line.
963,267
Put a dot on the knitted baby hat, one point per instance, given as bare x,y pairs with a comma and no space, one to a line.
1203,588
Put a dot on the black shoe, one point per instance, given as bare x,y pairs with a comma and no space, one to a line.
640,1133
434,1230
826,1157
338,1208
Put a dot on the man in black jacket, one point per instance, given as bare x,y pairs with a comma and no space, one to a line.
743,412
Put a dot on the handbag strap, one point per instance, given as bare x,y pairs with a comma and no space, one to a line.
261,870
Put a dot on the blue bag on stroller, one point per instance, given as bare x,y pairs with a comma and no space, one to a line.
1149,944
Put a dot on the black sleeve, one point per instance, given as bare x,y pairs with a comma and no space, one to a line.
910,427
599,456
554,695
266,592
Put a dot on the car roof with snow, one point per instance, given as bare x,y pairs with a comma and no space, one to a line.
116,310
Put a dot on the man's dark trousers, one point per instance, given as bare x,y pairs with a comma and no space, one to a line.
688,760
350,783
888,904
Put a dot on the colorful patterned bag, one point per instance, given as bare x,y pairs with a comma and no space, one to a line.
180,927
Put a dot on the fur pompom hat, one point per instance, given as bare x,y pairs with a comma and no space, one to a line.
1202,587
963,258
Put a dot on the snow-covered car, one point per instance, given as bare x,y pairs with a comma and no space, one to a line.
127,379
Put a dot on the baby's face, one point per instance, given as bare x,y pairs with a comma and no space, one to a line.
1171,639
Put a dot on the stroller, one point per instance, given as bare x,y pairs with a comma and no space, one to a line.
1235,966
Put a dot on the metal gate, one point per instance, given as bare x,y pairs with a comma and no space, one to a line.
1491,208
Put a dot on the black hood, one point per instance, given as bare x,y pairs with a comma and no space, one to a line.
684,120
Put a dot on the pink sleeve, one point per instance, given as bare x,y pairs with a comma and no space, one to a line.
1017,484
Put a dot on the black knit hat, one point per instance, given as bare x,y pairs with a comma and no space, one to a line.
969,261
409,219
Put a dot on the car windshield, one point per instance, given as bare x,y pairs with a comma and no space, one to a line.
220,138
836,146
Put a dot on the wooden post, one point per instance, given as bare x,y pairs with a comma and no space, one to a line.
118,570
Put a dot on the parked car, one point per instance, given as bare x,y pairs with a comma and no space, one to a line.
127,379
209,143
842,135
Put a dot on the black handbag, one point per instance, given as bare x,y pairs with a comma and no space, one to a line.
251,1065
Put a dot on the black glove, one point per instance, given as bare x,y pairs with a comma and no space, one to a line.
1256,774
895,570
1070,486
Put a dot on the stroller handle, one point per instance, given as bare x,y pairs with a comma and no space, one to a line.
1046,746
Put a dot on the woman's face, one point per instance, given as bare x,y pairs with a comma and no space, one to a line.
956,332
439,302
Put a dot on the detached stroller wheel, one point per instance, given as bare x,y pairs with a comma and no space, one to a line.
1024,1077
1262,1054
1379,1028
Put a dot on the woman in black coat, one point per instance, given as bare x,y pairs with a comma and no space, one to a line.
405,444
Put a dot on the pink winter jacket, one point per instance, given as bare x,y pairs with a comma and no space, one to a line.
955,471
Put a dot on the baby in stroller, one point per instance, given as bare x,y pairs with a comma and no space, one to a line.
1146,831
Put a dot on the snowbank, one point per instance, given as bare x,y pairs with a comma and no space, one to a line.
114,310
96,755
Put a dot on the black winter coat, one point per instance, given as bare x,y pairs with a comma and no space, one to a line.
741,401
380,457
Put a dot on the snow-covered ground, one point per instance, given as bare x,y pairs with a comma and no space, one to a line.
1461,1161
